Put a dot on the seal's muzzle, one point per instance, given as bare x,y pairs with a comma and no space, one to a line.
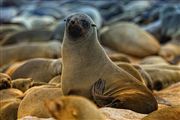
75,29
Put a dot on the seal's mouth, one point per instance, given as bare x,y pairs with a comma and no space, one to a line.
75,30
4,85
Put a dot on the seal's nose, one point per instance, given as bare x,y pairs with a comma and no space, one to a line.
72,22
75,29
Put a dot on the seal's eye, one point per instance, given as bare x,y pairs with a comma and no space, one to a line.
85,23
93,25
67,20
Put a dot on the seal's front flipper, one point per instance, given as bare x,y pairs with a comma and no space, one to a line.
98,94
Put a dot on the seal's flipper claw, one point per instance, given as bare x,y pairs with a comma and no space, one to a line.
98,96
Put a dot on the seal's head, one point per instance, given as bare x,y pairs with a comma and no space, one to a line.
79,26
5,81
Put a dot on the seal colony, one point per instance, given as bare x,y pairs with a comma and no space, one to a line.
87,71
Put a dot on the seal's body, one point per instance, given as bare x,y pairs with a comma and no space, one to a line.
87,71
39,69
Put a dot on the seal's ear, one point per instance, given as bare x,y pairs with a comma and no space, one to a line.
93,25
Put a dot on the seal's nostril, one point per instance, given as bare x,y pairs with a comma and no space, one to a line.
72,22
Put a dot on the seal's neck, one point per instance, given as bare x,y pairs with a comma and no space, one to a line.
83,54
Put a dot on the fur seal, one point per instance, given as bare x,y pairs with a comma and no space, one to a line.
22,84
162,75
145,76
33,102
5,81
7,30
119,57
154,60
73,108
94,75
8,111
131,70
168,113
127,38
55,80
12,67
27,36
39,69
170,50
10,93
176,60
24,51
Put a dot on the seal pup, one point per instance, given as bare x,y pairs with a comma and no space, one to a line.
5,81
22,84
73,108
94,75
33,102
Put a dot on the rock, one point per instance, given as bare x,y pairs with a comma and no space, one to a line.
168,113
35,118
170,16
109,9
121,114
58,32
131,10
171,94
154,28
49,8
7,13
138,6
92,12
34,22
